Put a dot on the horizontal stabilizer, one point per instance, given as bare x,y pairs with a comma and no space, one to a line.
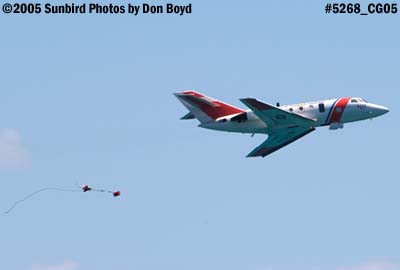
188,116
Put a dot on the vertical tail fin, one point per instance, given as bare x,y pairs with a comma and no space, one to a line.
204,108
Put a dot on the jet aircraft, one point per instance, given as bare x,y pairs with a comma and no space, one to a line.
283,124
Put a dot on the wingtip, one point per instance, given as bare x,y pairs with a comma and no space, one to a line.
252,102
245,99
251,155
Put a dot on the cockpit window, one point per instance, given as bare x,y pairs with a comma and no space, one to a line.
358,100
361,100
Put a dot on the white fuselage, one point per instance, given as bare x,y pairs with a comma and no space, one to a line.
332,112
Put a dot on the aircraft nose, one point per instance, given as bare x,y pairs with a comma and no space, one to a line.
385,110
382,110
378,110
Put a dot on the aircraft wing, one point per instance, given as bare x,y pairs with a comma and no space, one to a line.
275,117
278,139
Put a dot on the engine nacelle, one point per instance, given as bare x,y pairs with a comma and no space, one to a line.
334,126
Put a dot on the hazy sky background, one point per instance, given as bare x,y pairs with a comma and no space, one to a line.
88,99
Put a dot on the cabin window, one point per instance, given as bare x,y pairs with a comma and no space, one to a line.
311,106
301,108
354,100
291,109
321,107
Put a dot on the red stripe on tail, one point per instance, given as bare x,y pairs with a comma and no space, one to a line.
213,108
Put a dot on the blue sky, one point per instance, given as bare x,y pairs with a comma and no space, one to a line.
88,99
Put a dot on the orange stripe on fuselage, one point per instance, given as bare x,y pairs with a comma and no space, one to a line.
337,115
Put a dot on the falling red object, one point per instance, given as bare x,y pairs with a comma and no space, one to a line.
86,188
116,193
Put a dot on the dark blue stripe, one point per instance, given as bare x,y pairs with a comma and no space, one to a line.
330,111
